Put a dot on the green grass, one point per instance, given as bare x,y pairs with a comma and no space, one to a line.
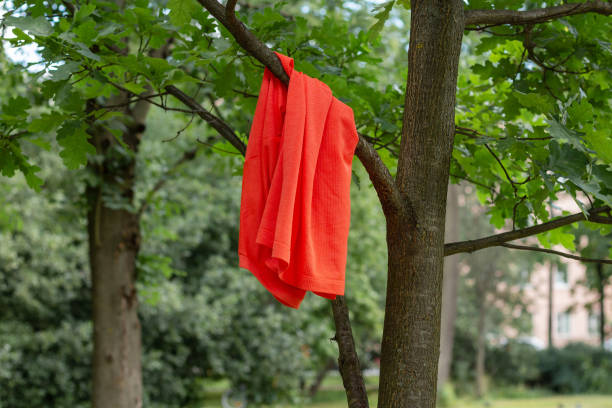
332,395
558,401
561,401
338,400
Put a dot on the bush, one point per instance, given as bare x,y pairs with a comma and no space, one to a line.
514,363
577,368
463,367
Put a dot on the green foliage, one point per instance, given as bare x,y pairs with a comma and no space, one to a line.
201,316
533,103
514,363
45,328
577,368
533,98
463,366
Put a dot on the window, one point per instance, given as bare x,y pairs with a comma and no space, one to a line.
561,277
563,323
593,323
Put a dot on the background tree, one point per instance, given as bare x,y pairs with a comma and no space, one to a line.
597,273
450,285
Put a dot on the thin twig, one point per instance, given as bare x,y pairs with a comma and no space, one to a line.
552,251
187,156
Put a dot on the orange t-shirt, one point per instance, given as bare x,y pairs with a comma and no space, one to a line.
295,206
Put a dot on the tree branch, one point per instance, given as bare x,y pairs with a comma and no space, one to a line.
499,239
552,251
348,363
379,174
498,17
218,124
245,38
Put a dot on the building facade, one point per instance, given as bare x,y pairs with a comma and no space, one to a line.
571,307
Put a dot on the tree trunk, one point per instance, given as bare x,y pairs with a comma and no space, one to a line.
348,362
602,305
415,235
551,286
481,349
114,241
449,289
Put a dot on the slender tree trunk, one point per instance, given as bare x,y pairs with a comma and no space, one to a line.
481,350
348,362
449,289
602,305
415,235
551,286
114,241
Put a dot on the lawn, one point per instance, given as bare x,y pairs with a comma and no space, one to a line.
559,401
574,401
332,395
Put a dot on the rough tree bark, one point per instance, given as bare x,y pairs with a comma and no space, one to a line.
415,236
449,289
114,241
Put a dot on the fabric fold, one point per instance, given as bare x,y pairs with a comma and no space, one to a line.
295,205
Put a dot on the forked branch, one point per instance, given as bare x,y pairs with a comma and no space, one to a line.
379,174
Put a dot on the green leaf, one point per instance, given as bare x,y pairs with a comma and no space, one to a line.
601,142
581,112
135,88
32,179
559,131
37,26
64,72
86,52
381,17
560,236
46,122
180,11
84,11
8,165
16,106
73,138
535,102
40,142
86,32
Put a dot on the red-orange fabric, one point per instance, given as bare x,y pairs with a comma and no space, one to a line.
295,206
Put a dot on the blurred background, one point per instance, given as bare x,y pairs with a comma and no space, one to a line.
516,324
